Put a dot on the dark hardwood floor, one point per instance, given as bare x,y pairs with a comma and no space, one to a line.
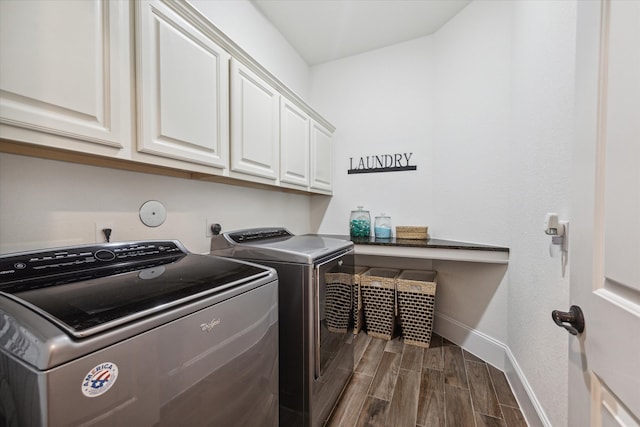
396,385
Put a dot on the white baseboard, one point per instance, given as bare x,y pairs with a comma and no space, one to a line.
499,355
476,342
529,404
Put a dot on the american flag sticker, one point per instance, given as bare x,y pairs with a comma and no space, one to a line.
100,379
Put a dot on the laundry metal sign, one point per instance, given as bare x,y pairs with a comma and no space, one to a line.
381,163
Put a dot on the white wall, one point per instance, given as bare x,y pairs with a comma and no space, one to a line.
46,203
470,161
446,99
421,97
381,102
472,107
540,155
485,103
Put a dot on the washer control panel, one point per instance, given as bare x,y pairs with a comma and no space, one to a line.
28,265
258,234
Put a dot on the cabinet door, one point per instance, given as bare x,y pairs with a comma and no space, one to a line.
65,74
321,145
294,144
255,124
183,79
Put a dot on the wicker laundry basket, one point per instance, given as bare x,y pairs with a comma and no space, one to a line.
416,305
357,317
377,286
339,296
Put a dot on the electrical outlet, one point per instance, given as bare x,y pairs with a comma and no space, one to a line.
208,232
100,234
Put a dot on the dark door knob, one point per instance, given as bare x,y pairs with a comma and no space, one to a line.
572,321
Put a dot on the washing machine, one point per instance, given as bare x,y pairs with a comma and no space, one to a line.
137,333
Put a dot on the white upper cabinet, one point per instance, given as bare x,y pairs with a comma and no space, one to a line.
183,95
321,155
255,124
294,144
191,100
65,75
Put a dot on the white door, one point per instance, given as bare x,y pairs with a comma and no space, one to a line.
604,361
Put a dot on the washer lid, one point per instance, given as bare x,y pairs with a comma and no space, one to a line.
90,300
275,244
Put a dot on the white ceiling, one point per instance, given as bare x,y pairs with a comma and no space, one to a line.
324,30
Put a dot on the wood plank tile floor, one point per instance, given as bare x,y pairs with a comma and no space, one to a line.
397,385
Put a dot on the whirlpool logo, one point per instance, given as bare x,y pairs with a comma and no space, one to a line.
208,327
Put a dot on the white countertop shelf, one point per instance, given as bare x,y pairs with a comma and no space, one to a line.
437,249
